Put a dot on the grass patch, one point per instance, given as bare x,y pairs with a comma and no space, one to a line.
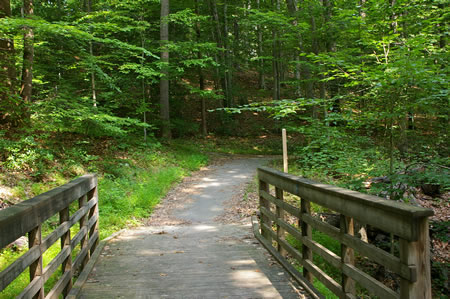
132,180
332,245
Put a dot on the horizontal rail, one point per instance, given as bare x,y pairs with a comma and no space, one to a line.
407,222
376,254
21,218
26,218
292,271
387,215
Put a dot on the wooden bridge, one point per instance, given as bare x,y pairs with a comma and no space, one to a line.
211,260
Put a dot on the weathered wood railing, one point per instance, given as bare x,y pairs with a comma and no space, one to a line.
408,223
26,218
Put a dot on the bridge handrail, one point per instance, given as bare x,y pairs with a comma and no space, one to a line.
27,217
408,223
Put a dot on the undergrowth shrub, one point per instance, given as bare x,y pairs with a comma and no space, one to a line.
333,153
25,153
78,115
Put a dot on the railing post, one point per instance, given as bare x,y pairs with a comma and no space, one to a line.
264,219
35,239
82,202
66,266
94,212
417,254
347,254
281,234
305,207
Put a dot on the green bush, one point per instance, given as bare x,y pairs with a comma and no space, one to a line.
26,153
78,115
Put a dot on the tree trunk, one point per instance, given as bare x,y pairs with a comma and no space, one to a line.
28,56
262,81
94,90
91,52
217,78
7,71
330,88
315,49
201,78
292,9
218,37
275,68
237,38
276,60
228,63
303,71
143,86
164,83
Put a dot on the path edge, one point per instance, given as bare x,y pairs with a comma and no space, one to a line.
84,275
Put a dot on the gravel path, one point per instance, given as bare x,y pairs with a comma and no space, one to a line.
186,252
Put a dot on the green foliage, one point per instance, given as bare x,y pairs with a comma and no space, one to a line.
182,128
330,244
25,153
80,116
129,187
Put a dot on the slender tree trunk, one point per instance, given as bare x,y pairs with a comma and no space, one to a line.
143,87
60,8
307,76
94,90
217,79
201,78
394,24
28,57
276,60
262,81
362,15
91,52
8,70
237,38
304,70
220,44
275,68
315,49
292,9
330,88
164,83
228,63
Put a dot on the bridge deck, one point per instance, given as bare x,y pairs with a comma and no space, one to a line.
202,259
196,261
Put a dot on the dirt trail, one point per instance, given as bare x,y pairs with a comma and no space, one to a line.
187,252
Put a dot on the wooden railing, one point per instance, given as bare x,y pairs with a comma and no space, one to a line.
28,217
406,223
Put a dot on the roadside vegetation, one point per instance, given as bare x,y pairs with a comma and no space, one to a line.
133,177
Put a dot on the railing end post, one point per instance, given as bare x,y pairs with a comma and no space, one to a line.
417,254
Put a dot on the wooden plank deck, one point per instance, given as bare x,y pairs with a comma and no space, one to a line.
194,261
201,259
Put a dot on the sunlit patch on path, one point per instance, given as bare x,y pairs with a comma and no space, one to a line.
202,259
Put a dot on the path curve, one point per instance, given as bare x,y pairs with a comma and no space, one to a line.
198,257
